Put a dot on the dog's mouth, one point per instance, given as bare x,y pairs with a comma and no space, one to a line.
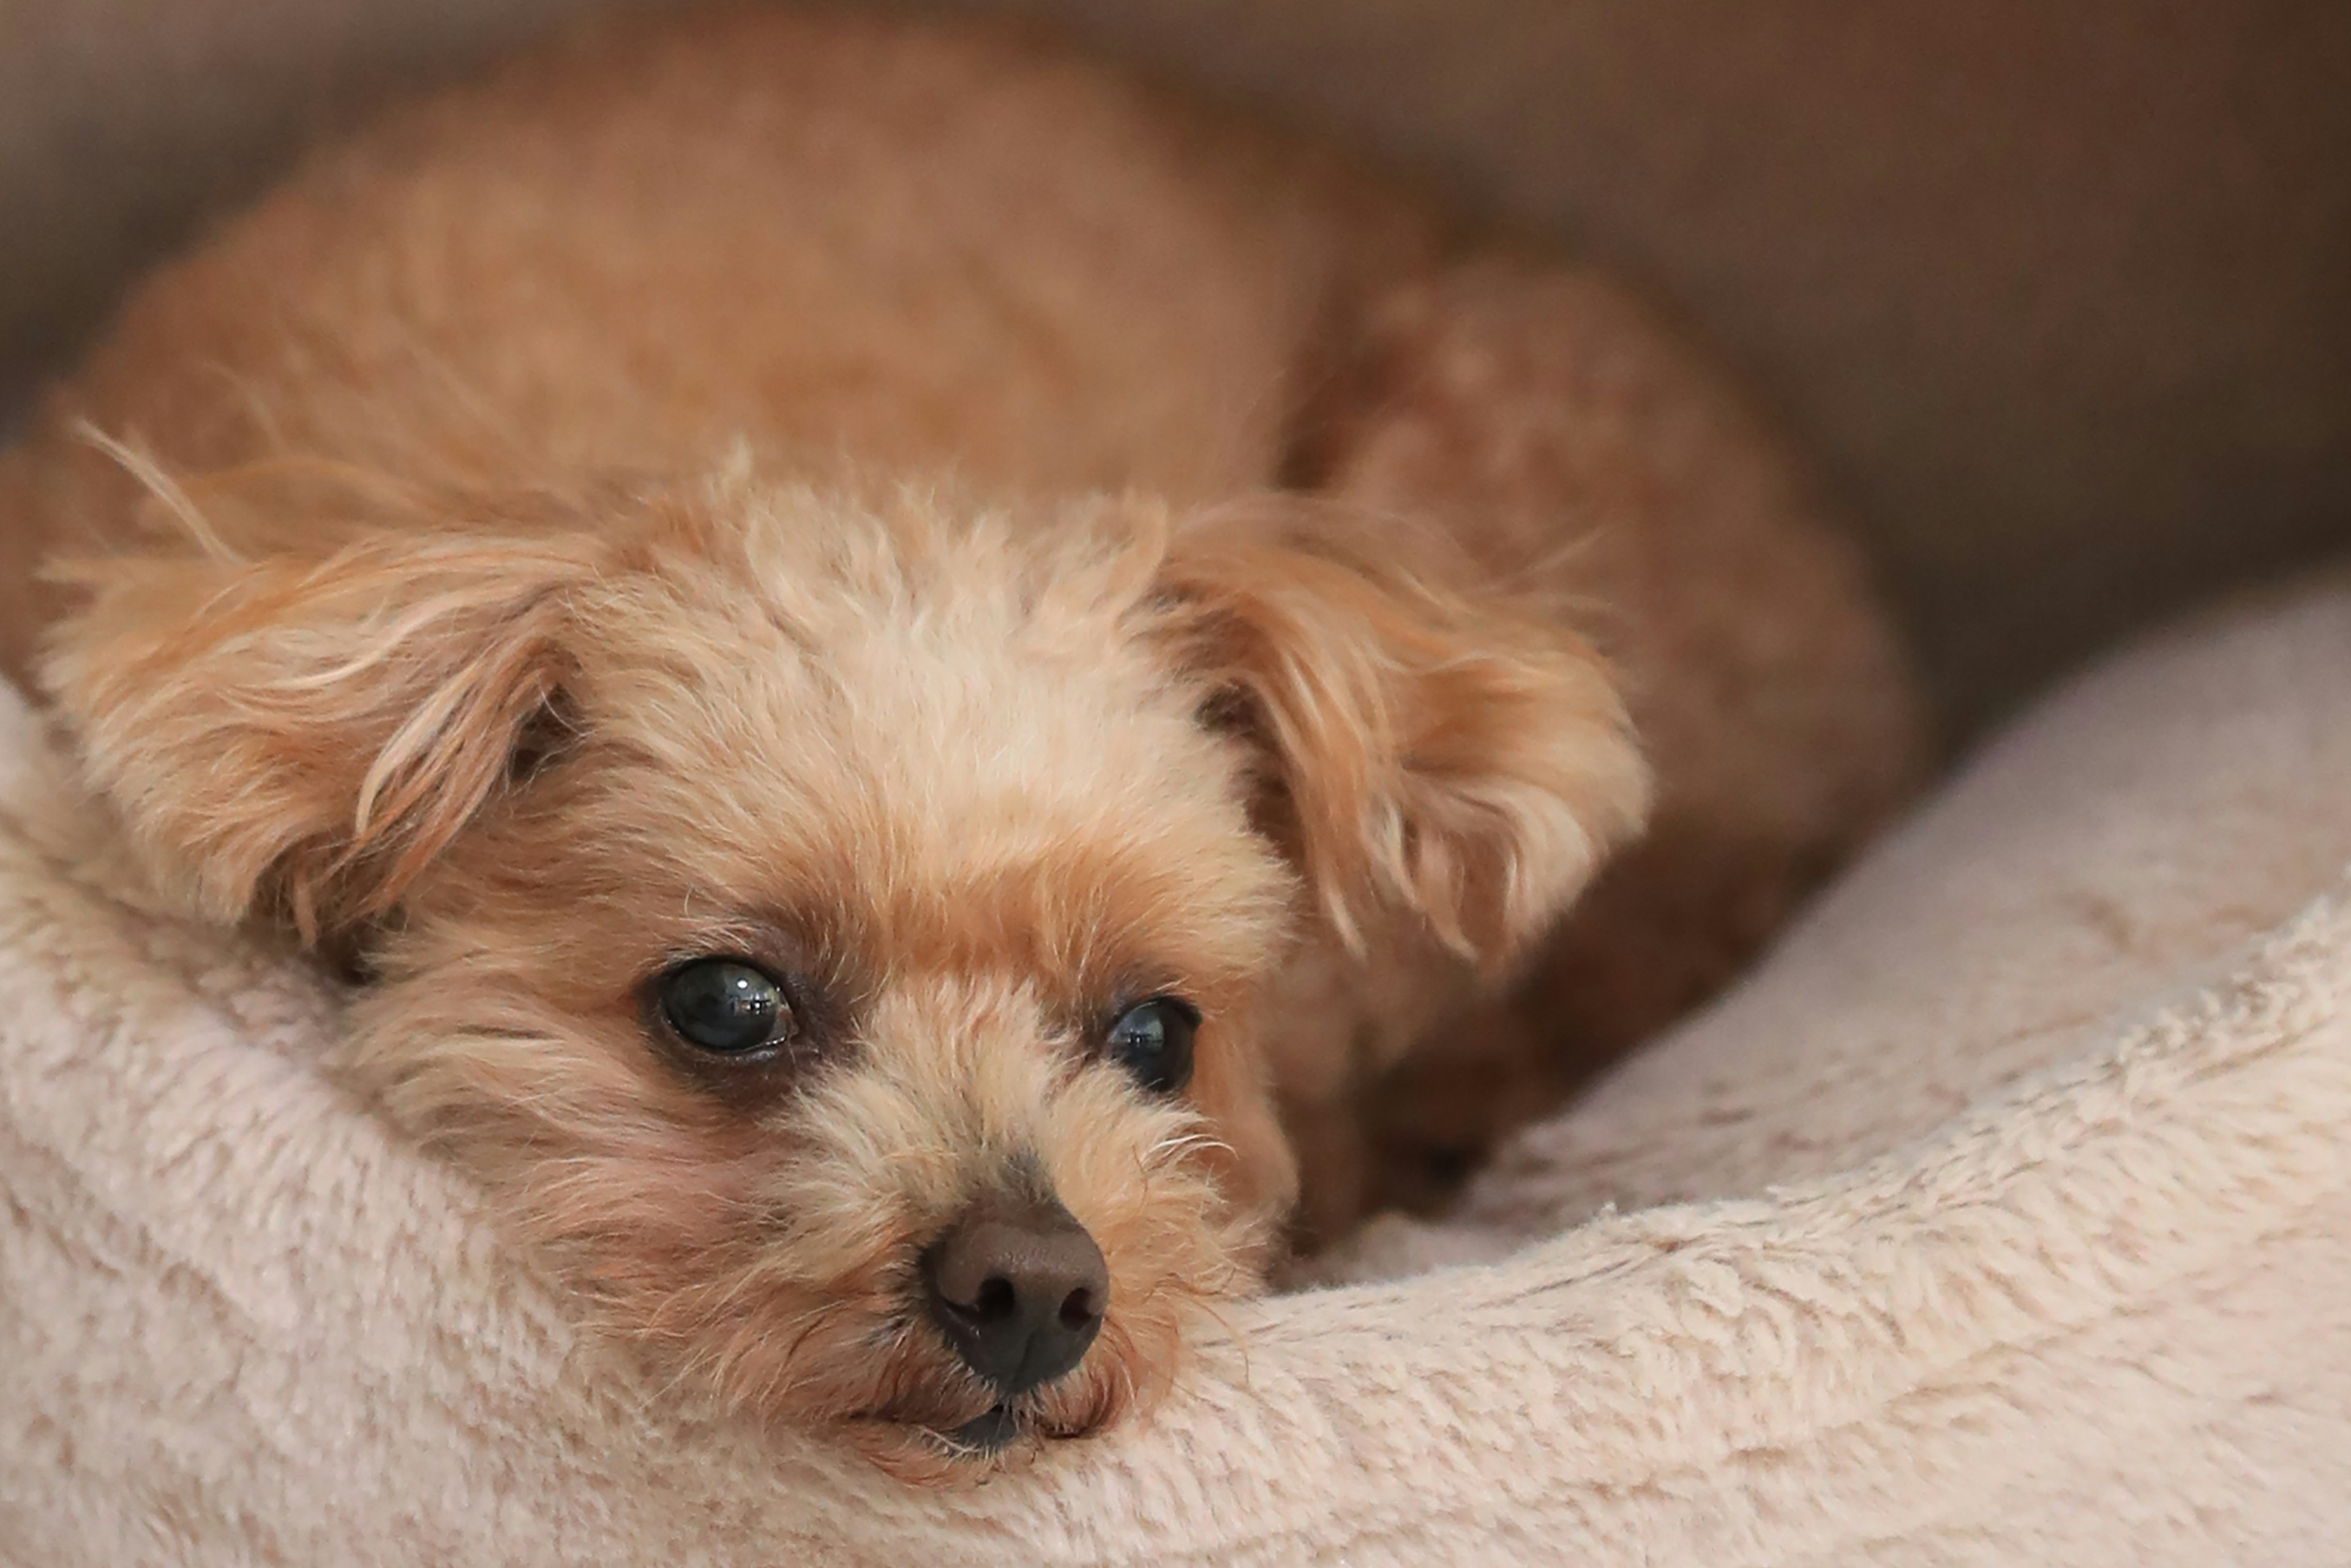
987,1434
1004,1425
946,1426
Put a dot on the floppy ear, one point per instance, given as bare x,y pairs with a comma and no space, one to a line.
1432,743
300,735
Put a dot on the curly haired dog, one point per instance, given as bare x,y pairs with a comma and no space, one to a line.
903,672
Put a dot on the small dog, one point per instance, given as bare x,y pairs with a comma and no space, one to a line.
902,669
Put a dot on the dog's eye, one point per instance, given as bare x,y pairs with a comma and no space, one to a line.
1153,1040
726,1007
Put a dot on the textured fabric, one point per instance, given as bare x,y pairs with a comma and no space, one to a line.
2004,1217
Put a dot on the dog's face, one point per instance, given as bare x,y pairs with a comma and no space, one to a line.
840,939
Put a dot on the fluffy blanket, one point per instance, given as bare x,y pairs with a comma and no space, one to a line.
2004,1217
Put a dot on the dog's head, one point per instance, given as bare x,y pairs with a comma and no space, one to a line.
837,934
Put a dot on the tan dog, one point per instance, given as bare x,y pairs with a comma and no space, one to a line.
887,651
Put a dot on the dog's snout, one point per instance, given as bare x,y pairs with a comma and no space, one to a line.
1019,1288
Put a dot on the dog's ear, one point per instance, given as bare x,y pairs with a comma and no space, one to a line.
300,734
1431,743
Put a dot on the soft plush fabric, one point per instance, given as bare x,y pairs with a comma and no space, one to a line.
2004,1216
2057,292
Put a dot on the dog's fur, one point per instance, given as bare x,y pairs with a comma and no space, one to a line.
897,504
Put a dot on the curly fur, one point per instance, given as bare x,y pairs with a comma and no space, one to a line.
811,488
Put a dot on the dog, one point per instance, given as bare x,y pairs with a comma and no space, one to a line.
903,671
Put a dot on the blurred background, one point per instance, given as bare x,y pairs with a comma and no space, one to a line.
2058,295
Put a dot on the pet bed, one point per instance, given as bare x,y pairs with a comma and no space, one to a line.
2002,1216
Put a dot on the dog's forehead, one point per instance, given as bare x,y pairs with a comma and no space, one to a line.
976,760
966,696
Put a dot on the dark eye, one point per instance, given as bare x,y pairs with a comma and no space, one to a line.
726,1007
1153,1040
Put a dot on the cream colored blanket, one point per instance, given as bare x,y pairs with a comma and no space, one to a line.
2004,1217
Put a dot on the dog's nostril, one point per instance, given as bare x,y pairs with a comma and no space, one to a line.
997,1298
1078,1310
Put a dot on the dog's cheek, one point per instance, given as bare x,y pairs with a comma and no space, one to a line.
788,1290
1141,1175
651,1200
634,1186
1252,1158
816,1314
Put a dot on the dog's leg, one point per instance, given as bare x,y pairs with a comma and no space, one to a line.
1573,445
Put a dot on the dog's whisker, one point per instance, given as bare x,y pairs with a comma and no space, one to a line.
160,485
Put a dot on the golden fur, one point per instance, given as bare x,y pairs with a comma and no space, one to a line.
898,505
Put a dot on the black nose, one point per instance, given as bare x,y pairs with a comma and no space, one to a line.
1019,1288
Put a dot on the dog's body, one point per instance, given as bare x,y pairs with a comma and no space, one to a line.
998,556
